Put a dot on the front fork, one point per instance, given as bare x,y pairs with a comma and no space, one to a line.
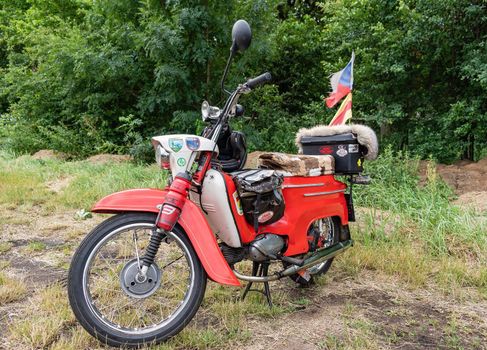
168,216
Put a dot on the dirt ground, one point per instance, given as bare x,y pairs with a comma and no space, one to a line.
373,308
367,311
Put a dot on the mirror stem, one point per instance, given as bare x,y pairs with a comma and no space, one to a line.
225,72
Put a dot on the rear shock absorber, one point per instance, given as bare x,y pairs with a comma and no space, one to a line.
168,216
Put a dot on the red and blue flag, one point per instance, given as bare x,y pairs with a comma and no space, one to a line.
341,84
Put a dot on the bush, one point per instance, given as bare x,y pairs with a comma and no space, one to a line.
75,70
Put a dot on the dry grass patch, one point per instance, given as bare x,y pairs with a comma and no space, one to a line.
15,220
405,262
46,315
192,338
455,276
360,333
53,229
5,247
19,187
75,339
11,289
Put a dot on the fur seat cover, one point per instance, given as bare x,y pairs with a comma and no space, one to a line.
365,136
298,165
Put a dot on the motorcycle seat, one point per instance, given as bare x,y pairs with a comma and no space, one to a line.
297,164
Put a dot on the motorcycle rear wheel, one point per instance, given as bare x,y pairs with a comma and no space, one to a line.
117,306
329,228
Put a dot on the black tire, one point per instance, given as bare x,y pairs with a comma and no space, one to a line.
83,301
322,268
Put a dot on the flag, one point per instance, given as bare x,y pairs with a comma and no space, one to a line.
341,83
344,113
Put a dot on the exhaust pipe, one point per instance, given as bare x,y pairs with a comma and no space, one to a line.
320,256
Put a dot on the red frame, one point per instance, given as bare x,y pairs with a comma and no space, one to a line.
307,199
300,210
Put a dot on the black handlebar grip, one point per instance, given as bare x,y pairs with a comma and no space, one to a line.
260,80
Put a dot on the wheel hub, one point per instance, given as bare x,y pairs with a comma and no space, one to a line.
136,285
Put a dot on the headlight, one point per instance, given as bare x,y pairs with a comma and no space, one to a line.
162,157
209,112
205,110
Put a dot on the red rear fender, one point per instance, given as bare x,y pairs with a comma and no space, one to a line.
192,221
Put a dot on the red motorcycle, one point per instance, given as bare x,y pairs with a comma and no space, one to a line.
140,276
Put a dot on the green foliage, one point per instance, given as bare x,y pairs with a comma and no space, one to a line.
107,75
412,58
445,228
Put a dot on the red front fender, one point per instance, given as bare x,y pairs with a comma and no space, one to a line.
192,221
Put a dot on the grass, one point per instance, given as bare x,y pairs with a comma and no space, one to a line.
5,247
410,233
25,180
11,289
414,232
45,316
48,322
35,246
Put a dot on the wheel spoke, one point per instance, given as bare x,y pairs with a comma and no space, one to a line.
328,236
172,262
134,235
112,268
116,309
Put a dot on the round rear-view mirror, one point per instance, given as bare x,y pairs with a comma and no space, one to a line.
241,36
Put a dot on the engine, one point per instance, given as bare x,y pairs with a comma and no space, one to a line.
265,246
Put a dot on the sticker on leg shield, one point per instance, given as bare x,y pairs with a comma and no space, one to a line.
238,204
193,143
176,144
181,162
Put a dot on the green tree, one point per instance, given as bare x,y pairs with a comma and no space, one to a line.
102,76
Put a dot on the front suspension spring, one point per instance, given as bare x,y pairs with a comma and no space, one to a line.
153,247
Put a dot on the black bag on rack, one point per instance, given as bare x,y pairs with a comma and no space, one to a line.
261,195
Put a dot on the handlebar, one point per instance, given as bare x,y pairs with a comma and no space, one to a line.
260,80
232,101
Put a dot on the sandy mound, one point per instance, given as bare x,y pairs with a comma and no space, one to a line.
475,200
50,154
109,158
468,179
463,176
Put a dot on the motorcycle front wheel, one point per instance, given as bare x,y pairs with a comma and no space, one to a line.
117,305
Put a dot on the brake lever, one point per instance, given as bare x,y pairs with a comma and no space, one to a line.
243,89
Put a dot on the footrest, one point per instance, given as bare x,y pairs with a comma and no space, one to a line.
361,180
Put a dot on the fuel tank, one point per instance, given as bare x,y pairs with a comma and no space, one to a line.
214,203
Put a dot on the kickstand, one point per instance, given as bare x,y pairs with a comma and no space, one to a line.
260,270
